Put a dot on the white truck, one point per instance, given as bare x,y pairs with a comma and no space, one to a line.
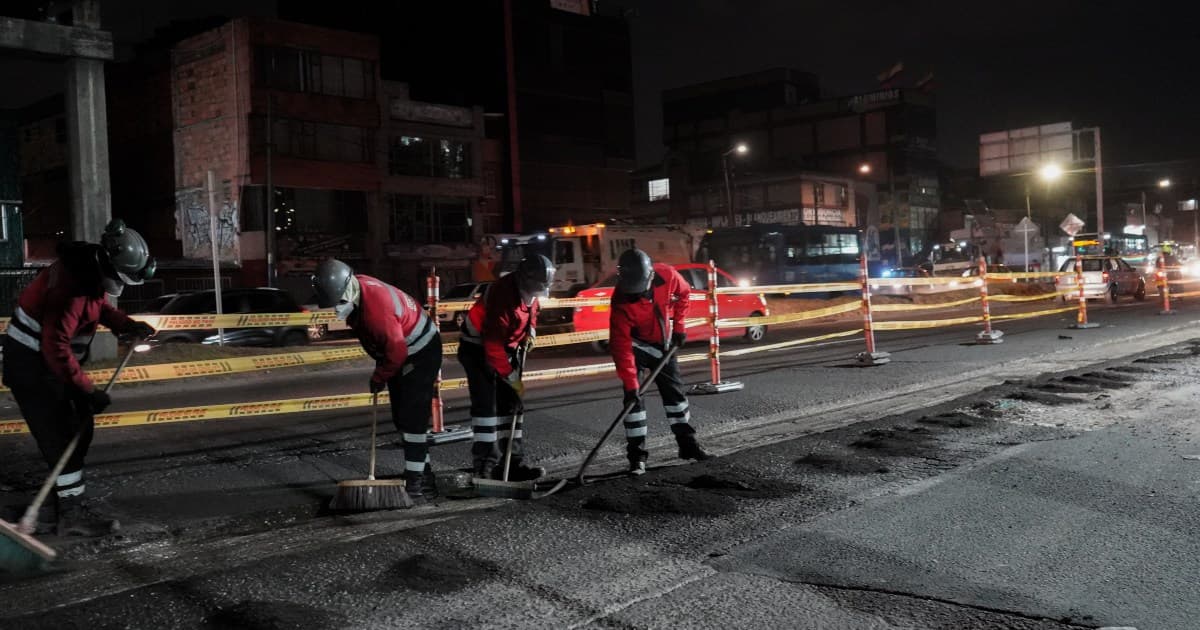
586,254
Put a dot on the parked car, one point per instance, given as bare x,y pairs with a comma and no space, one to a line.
317,332
588,318
155,306
260,300
1107,277
467,291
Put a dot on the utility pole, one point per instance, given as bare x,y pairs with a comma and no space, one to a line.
1099,188
269,206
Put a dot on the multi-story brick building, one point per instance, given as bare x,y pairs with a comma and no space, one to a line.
264,103
440,189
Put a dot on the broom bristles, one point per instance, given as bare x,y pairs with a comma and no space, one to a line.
21,553
370,495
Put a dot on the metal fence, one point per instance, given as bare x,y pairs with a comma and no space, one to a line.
12,282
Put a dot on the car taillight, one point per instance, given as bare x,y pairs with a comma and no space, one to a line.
304,310
1105,276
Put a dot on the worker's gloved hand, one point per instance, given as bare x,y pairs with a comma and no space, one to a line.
141,330
514,381
678,339
631,396
376,386
99,400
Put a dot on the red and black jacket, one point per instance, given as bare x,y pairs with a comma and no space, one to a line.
57,314
391,326
647,320
500,321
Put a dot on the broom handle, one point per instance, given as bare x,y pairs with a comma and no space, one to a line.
27,520
374,423
642,387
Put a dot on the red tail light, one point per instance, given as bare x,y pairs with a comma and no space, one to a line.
304,310
1105,276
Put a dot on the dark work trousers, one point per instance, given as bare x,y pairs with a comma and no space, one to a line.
493,405
55,412
675,402
411,391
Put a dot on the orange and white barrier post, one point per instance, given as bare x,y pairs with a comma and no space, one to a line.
1164,289
716,386
870,357
438,434
987,335
1081,318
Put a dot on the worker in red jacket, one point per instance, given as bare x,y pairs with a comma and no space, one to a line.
45,345
649,306
407,348
497,334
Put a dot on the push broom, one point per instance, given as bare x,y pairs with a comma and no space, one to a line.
20,552
370,494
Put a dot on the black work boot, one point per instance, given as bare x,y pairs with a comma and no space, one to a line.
518,471
414,485
637,467
47,516
484,468
429,486
76,518
689,448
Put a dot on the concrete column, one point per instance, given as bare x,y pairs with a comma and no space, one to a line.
87,147
87,138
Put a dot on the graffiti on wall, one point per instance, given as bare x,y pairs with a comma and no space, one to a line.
192,224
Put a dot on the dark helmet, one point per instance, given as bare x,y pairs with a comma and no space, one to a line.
535,274
330,281
635,271
128,257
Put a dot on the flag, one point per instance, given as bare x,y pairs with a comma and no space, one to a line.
926,84
888,78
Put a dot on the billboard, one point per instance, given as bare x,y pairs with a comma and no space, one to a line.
1024,150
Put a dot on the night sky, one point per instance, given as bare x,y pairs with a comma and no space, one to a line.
1130,67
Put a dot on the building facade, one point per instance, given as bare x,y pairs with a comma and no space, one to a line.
886,138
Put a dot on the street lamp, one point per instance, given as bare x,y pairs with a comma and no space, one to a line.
1164,184
1047,173
740,149
864,168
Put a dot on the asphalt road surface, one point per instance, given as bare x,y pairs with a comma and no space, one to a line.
1046,482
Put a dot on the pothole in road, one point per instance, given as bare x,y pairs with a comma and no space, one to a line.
1165,358
846,465
1096,380
1044,398
434,573
674,500
954,420
896,441
270,615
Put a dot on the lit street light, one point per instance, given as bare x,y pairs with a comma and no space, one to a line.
1047,173
864,168
1164,183
1050,172
740,149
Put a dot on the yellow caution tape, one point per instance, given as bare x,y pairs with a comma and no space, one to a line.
932,323
922,307
1029,275
791,288
742,322
294,405
228,320
232,365
1001,297
1035,313
788,344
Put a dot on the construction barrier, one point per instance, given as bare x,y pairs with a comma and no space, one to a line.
713,320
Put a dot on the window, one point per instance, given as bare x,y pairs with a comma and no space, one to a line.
318,141
429,157
658,189
314,211
564,252
420,219
307,71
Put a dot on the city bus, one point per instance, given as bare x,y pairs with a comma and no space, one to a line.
783,254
